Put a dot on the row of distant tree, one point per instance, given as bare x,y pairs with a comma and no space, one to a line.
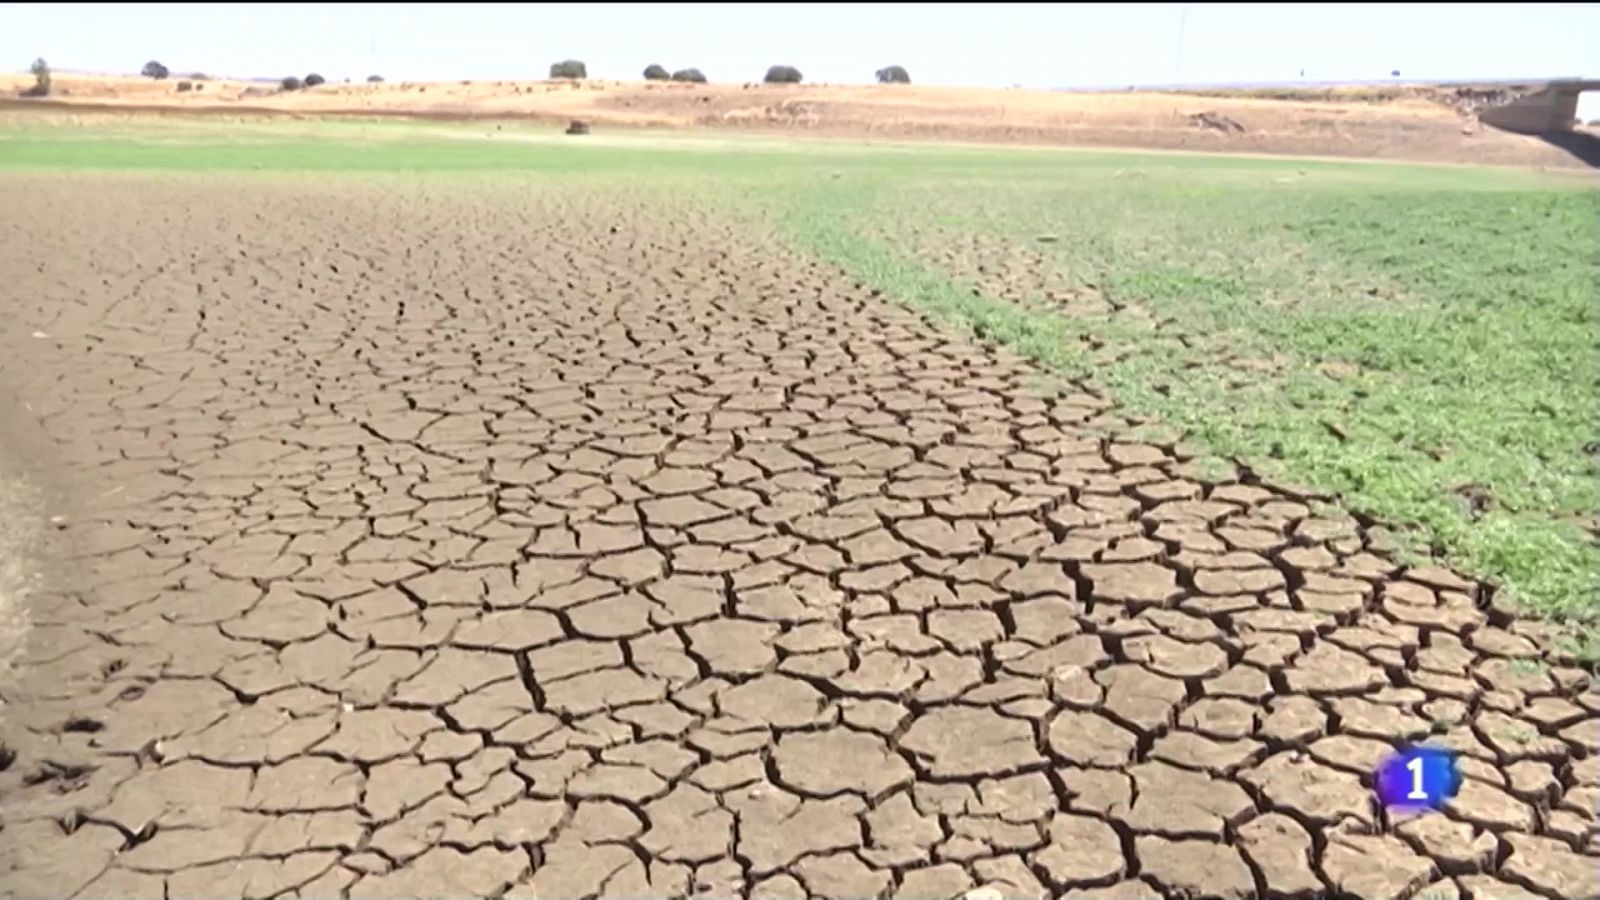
573,68
569,68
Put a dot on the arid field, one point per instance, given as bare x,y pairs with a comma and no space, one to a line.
1424,123
425,509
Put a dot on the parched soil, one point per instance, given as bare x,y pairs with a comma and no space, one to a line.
471,539
1418,123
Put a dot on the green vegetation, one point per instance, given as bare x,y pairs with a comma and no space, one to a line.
1428,354
1420,341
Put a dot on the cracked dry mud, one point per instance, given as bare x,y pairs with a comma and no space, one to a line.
454,539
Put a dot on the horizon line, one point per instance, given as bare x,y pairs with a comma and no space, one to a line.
1108,86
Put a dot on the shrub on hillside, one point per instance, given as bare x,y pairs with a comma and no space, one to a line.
694,76
289,83
41,79
185,86
374,79
893,75
655,72
153,69
569,68
314,79
783,75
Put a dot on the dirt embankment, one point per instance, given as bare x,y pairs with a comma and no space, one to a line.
1420,123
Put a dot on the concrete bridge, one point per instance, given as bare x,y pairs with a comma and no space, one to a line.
1549,110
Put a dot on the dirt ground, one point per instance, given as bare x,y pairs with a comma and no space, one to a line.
21,525
1419,123
440,541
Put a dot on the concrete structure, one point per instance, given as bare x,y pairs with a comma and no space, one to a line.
1546,111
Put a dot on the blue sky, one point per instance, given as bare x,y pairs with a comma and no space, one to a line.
1079,45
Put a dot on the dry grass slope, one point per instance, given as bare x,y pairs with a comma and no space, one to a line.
1419,124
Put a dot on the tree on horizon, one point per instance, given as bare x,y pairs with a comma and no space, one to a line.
41,79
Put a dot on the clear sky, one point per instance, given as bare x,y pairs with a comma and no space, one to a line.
1058,45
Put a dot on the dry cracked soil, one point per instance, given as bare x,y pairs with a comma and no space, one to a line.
426,539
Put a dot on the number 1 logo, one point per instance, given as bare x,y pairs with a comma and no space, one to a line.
1418,778
1418,785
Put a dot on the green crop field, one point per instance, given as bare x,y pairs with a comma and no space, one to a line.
1418,343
